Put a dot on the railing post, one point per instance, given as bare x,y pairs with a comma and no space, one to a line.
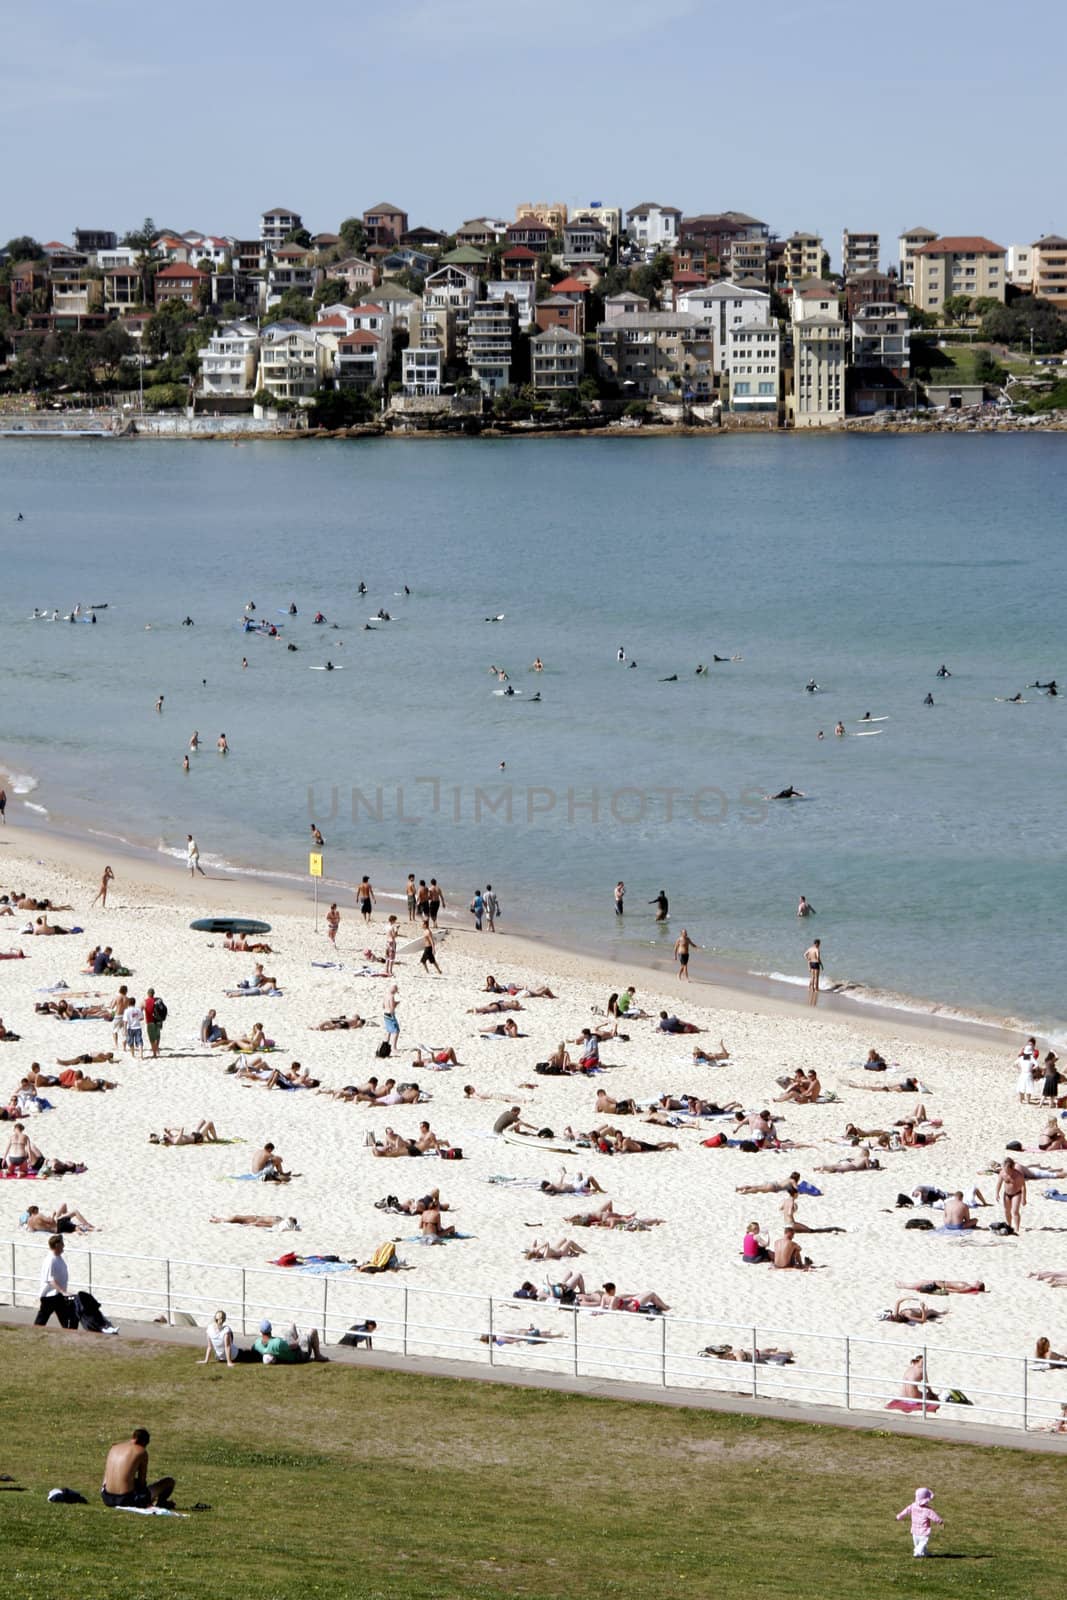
922,1386
848,1373
1026,1394
663,1351
405,1319
492,1358
325,1303
89,1255
577,1363
755,1367
166,1266
244,1302
14,1276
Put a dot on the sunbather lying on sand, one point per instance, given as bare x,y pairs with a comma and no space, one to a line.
246,1220
913,1312
340,1024
947,1286
543,1250
770,1355
864,1162
203,1133
494,1005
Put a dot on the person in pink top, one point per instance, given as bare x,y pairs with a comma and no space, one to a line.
923,1519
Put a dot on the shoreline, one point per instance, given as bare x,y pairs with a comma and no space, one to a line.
256,890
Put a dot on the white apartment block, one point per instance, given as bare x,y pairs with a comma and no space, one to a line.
726,305
819,349
907,244
653,226
753,354
859,252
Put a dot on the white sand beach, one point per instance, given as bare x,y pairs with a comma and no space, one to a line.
157,1201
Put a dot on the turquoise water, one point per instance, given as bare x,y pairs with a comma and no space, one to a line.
933,852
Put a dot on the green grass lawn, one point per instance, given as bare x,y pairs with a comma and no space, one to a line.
345,1482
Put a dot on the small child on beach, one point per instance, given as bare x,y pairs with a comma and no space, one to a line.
923,1519
390,946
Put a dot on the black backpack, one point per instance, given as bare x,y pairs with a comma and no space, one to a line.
159,1011
384,1049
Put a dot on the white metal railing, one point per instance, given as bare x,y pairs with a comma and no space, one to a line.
846,1370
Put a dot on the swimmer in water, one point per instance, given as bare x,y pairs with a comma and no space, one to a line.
362,587
159,703
805,908
244,662
251,606
406,589
509,690
290,647
620,654
789,794
221,745
187,622
292,608
866,717
811,686
185,763
194,742
633,663
535,700
329,666
672,679
839,730
929,700
701,671
820,734
538,665
1015,700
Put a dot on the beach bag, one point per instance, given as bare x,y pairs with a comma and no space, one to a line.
453,1153
714,1143
956,1397
384,1049
904,1201
919,1222
548,1070
545,1133
159,1011
749,1145
383,1257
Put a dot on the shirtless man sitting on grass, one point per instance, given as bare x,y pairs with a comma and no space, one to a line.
126,1475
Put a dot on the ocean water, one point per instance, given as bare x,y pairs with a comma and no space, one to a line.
933,852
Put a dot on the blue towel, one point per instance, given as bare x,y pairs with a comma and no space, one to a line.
1053,1194
804,1187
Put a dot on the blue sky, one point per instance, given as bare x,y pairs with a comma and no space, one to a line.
815,115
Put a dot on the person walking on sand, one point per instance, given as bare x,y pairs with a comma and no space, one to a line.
429,949
923,1520
101,893
333,922
1011,1185
192,856
435,901
813,956
682,946
477,910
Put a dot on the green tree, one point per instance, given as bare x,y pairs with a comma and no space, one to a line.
143,238
987,369
293,307
299,236
166,396
165,332
330,292
353,235
1026,317
114,351
340,408
24,248
918,318
955,308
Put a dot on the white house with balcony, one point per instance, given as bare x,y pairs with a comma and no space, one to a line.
726,306
653,226
292,362
557,360
228,361
277,224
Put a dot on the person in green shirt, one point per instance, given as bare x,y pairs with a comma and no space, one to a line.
288,1351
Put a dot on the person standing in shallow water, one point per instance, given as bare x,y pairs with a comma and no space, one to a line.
662,905
620,896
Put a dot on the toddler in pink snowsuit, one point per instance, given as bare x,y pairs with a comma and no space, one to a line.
923,1519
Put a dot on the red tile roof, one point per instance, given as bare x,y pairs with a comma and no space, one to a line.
519,252
570,286
178,269
967,243
362,336
332,321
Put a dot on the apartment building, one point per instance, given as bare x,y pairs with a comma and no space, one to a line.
802,257
557,360
726,306
881,337
552,213
277,224
384,224
963,265
1050,269
652,354
491,343
820,346
753,359
859,252
292,362
653,226
907,244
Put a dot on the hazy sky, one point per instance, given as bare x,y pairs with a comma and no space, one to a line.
816,115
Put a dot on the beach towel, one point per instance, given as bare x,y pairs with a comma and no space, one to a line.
1053,1194
241,994
435,1238
151,1511
382,1260
248,1177
804,1187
